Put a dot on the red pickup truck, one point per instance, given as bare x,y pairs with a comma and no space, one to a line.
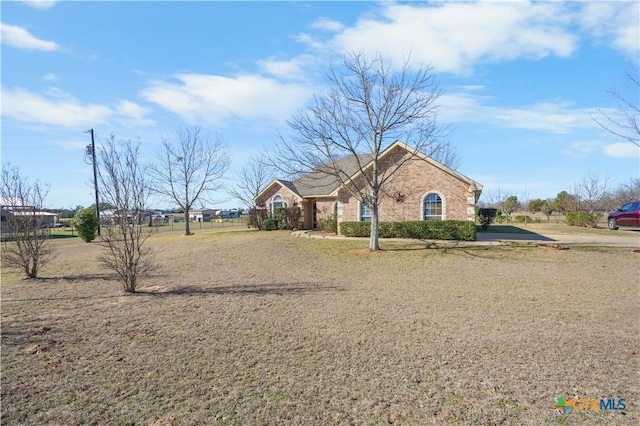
627,215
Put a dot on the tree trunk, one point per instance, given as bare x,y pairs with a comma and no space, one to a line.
187,230
373,239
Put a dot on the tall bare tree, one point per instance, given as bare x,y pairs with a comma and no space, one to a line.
123,184
27,247
250,180
368,105
627,124
591,192
188,167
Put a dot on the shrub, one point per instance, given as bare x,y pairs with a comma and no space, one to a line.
355,229
486,217
86,223
287,217
424,229
257,216
587,220
329,223
522,218
270,225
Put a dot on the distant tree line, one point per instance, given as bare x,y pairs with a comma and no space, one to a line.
591,194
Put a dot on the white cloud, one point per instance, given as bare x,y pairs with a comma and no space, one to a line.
217,99
454,36
61,109
40,4
622,150
327,24
72,145
581,149
555,117
50,77
614,22
131,114
296,68
14,36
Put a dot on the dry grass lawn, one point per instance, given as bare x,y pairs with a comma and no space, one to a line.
250,328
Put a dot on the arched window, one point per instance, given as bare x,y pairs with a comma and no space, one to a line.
278,202
432,207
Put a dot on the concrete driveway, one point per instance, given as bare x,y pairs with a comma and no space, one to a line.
630,240
625,239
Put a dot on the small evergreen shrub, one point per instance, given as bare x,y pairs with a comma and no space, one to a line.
257,216
329,223
86,223
584,219
355,229
270,225
486,217
461,230
287,217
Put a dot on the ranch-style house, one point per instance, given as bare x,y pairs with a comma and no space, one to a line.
421,189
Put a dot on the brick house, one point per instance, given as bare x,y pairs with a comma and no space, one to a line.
421,189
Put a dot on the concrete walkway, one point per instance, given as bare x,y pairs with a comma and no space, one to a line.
493,238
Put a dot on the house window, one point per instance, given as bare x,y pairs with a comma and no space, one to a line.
277,202
432,207
365,213
397,159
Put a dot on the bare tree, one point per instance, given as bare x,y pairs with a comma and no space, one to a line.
367,107
27,245
188,167
591,192
124,185
627,125
624,193
254,176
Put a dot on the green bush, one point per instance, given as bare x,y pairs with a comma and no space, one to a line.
486,217
287,217
587,220
329,223
522,218
86,223
424,229
270,225
257,216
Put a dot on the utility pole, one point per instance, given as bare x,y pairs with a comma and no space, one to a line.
95,175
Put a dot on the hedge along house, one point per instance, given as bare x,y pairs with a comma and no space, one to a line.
420,189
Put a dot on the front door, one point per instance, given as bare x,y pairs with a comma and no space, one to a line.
309,213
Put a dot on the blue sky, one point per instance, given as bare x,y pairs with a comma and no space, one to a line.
521,80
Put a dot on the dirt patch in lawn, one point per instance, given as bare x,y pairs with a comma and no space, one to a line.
263,328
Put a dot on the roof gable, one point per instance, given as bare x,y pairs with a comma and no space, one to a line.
318,184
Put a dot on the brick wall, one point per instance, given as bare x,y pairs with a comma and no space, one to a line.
415,180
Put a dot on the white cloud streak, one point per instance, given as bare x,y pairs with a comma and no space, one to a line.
454,36
218,99
40,4
622,150
19,37
61,109
554,117
615,22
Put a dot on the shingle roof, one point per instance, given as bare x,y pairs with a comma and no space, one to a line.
318,184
